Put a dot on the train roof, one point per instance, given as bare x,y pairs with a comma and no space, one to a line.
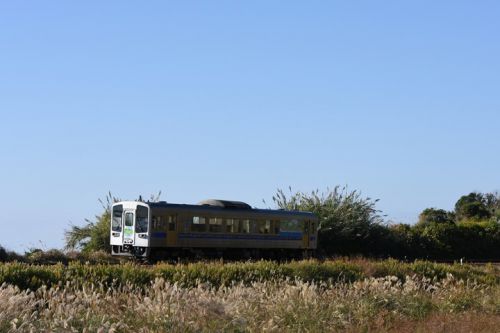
227,207
225,204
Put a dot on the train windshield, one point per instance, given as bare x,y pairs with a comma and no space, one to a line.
116,222
141,219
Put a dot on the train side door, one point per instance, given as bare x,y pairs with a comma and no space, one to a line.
172,227
305,234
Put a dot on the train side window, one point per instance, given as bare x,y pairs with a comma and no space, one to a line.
260,226
172,220
264,226
276,227
236,226
245,226
198,224
232,225
267,226
290,225
215,224
186,222
254,226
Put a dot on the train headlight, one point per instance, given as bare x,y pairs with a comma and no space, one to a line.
116,234
145,236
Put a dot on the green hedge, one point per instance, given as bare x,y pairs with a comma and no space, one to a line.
29,276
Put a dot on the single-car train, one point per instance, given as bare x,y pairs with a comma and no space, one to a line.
218,228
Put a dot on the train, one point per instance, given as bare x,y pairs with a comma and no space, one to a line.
211,228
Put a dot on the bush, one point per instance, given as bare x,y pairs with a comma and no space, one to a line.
6,256
52,256
3,254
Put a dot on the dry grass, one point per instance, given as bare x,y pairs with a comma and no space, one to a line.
412,304
467,322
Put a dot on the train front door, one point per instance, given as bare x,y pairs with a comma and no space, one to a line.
128,228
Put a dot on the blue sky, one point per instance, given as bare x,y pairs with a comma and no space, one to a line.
233,99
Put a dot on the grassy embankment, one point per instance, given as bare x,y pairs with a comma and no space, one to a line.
296,296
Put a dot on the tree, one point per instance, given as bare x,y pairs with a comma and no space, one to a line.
492,202
94,235
347,219
434,215
472,206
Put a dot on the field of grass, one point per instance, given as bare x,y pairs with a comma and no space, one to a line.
337,295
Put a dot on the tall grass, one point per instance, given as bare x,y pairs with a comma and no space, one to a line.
369,304
314,296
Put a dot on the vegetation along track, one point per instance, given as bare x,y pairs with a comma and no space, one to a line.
219,274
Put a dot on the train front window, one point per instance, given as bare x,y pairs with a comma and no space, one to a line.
141,219
129,219
116,221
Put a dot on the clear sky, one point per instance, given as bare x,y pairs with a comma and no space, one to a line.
233,99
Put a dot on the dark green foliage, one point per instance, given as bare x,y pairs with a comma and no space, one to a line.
433,215
472,206
3,254
471,240
492,202
6,256
351,224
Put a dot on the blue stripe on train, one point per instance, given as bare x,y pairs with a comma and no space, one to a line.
280,236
